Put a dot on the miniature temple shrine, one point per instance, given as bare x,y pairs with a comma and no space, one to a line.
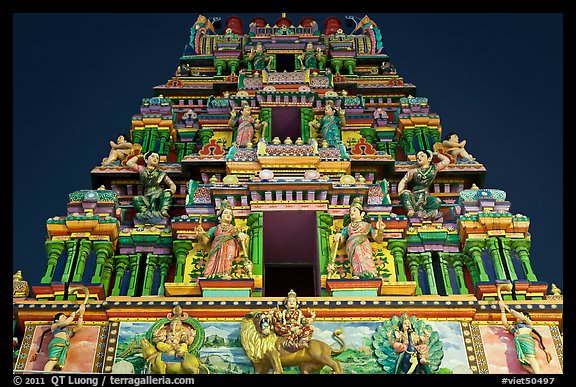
287,182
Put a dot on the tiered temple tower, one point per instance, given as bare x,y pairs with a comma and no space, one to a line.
333,123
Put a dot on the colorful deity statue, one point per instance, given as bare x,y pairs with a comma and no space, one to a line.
310,58
330,124
525,337
291,324
154,204
226,243
260,60
357,235
62,333
246,125
455,148
174,338
119,150
411,347
407,345
418,200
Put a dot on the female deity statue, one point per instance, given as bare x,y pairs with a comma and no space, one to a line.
226,240
524,339
155,202
418,201
58,346
246,125
357,234
330,123
311,59
292,324
260,60
412,349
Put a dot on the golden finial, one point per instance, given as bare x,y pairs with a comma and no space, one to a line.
555,290
288,141
18,276
474,186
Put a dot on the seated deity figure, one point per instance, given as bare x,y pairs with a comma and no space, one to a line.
174,338
418,200
154,204
292,325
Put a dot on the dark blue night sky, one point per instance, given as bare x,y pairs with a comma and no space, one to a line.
495,79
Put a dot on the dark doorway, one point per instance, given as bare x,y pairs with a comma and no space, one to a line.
281,278
290,253
286,122
285,62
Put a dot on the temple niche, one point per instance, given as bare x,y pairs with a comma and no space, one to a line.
288,157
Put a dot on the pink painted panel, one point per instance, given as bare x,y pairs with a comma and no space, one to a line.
501,353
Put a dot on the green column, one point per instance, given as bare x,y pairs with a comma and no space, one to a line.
427,262
107,273
413,264
164,262
121,262
137,136
522,248
350,64
337,65
265,114
153,137
53,249
180,147
134,262
473,248
233,65
459,271
445,275
398,248
407,136
151,264
84,248
419,133
493,248
103,251
434,135
71,247
255,222
180,249
505,242
466,260
306,115
324,222
219,64
164,137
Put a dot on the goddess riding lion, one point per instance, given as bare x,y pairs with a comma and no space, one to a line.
265,351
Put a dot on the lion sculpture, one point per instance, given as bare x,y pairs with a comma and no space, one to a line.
264,348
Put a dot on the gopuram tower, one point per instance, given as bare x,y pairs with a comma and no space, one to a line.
287,181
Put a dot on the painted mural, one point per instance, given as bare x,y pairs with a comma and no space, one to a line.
498,341
222,350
